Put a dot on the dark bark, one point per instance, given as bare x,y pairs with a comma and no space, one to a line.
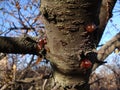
18,45
66,21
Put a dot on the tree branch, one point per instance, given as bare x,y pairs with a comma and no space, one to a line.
107,49
30,80
18,45
27,28
104,15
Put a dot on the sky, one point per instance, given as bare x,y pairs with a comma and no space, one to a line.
9,16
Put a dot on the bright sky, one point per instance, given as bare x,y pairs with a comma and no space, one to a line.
9,16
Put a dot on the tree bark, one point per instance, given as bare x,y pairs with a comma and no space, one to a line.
18,45
66,28
67,39
66,21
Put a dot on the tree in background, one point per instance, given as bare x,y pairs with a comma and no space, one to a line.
73,30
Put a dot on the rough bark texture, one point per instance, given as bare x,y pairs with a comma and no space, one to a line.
18,45
65,21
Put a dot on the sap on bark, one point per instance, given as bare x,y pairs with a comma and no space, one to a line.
41,43
90,27
85,64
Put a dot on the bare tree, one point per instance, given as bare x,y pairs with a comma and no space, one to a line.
73,32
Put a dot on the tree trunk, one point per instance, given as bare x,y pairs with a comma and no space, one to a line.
69,39
66,21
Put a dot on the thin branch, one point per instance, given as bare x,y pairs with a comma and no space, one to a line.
30,80
95,81
27,28
44,84
4,87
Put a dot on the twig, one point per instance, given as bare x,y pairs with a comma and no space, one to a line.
95,81
30,80
45,82
4,87
31,88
